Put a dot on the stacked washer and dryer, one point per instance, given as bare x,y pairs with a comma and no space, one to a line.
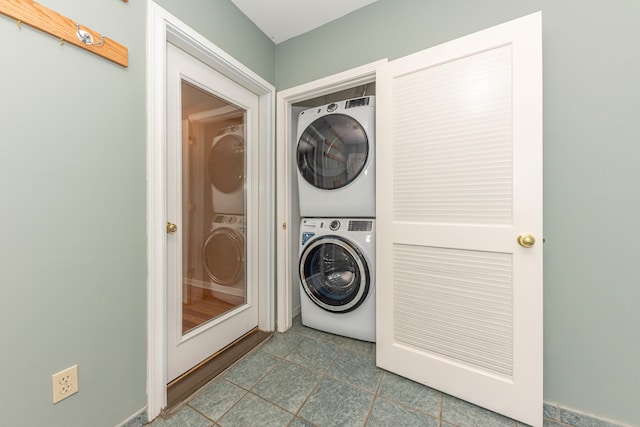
223,251
336,183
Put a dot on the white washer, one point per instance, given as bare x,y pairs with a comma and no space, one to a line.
223,255
336,159
337,276
225,167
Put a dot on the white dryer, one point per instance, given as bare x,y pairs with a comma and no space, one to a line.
337,276
223,255
225,167
336,159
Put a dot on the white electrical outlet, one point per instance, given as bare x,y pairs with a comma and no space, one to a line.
65,383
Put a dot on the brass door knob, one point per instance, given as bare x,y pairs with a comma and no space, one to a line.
526,240
171,228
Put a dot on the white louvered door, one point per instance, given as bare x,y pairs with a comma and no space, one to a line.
459,178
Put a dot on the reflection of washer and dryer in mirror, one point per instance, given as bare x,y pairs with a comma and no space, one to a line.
215,180
335,156
223,251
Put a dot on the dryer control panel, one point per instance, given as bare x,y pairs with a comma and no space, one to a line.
358,102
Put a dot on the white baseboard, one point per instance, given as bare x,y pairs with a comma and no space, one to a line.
231,290
138,419
230,294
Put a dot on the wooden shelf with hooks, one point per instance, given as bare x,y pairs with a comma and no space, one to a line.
51,22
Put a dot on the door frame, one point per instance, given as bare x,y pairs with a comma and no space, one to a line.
163,27
287,221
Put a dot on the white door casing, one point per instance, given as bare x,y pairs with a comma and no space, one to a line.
459,306
163,27
186,351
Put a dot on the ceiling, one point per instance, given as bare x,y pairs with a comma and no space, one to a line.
281,20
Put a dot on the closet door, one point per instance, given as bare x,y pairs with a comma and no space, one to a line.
459,211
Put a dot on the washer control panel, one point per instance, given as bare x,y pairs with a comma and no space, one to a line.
310,227
360,225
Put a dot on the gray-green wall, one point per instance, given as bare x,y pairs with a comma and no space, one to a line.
591,173
73,190
73,208
222,22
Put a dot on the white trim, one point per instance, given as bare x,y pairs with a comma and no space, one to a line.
134,417
229,290
156,202
285,100
164,27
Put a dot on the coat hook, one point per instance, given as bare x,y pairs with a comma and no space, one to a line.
61,41
19,24
86,38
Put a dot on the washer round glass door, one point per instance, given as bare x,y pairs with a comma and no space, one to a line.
332,151
334,274
223,256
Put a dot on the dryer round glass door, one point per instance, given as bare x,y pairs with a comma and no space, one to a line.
225,164
332,151
334,274
223,256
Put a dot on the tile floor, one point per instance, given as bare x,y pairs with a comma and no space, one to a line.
305,377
